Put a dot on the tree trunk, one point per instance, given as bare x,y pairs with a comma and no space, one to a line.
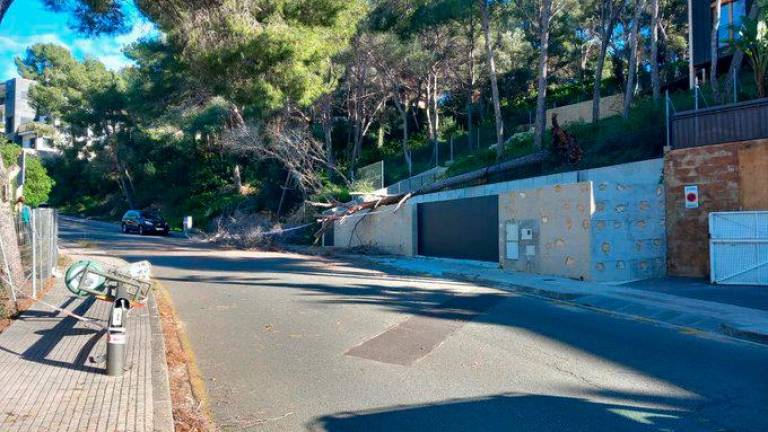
4,5
632,66
608,18
403,110
545,10
10,247
598,80
237,178
738,56
328,137
492,72
433,116
470,81
713,50
655,82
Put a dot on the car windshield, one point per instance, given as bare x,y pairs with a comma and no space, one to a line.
150,214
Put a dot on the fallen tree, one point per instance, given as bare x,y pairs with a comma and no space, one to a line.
340,211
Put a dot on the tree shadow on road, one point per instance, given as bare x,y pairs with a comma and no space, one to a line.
511,412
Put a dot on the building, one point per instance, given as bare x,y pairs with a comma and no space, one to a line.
701,14
20,122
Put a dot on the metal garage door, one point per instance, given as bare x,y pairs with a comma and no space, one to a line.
465,228
738,248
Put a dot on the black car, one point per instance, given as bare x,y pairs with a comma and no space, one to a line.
144,222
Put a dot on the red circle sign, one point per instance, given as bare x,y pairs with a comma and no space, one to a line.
691,197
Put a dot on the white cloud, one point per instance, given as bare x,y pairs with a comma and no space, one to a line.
114,62
20,43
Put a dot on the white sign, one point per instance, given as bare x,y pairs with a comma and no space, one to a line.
691,196
187,223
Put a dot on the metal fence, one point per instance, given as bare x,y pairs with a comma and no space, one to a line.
38,247
720,124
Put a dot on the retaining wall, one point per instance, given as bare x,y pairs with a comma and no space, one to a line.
582,111
559,219
604,224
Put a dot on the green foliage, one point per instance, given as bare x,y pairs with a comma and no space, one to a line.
37,184
752,39
10,152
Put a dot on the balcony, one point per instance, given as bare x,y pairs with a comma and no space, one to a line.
742,121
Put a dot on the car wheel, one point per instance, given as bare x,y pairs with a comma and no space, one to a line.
123,228
141,230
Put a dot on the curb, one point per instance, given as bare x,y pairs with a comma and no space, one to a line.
610,305
161,393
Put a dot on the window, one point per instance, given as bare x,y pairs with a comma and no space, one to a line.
731,15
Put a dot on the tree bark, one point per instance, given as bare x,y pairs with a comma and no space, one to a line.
655,81
545,11
738,56
713,51
470,81
492,72
608,16
10,246
237,178
4,5
403,108
632,66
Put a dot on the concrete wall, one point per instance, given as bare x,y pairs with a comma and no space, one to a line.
582,111
730,177
560,219
604,224
628,231
383,229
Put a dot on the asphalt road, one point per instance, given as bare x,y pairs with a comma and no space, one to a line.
287,342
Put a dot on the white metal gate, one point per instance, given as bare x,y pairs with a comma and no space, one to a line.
738,248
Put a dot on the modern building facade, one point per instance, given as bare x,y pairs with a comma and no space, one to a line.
701,15
20,122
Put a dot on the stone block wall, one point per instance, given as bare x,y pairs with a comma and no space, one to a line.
730,177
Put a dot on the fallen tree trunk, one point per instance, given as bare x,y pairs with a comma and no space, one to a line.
346,210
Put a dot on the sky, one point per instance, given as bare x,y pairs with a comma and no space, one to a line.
27,22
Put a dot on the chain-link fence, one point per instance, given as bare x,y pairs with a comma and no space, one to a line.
37,232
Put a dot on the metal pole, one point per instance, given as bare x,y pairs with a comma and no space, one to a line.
696,95
34,253
735,95
117,338
691,71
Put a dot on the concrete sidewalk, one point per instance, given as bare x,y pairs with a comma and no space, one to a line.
708,316
50,381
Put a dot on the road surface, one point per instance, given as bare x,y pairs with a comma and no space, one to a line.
287,342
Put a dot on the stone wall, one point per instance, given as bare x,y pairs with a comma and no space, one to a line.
730,177
582,111
384,229
559,217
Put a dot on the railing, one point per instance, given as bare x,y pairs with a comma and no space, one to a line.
419,180
721,124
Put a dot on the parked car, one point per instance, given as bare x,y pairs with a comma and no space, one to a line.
144,222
